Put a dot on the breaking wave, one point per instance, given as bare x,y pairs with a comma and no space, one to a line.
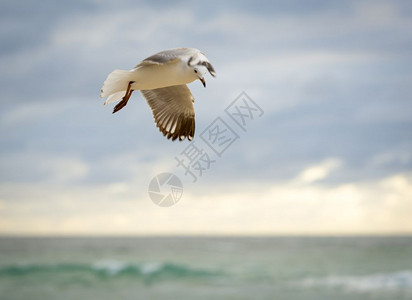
380,282
109,268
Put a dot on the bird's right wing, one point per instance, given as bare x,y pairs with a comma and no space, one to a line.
173,111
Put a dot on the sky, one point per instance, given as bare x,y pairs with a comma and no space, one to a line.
329,153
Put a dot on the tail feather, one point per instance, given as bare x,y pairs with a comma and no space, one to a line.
115,83
115,97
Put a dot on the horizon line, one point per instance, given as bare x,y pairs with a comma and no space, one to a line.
182,235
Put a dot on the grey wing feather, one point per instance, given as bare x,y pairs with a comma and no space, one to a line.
167,56
173,111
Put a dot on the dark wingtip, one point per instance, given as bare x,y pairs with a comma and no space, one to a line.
210,68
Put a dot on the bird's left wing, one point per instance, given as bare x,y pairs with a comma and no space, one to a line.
167,56
173,111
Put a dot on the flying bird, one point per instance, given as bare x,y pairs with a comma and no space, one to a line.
162,79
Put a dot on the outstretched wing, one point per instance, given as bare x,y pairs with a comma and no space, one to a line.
173,111
167,56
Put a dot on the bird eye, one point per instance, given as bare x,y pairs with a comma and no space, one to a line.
195,71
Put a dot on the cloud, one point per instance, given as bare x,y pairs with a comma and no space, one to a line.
376,207
113,27
334,80
42,167
320,171
29,113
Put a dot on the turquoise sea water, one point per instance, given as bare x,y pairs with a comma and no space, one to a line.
206,268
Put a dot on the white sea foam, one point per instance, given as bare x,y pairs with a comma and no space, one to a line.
146,269
150,268
111,267
397,281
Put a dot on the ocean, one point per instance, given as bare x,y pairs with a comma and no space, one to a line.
206,268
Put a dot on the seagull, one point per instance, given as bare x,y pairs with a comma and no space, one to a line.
162,79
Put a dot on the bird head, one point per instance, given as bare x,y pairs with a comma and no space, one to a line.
200,66
200,72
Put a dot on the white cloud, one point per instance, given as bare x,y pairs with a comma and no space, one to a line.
64,168
286,28
377,207
319,171
334,51
28,113
120,27
45,167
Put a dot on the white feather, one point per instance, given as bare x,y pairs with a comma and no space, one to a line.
116,81
115,97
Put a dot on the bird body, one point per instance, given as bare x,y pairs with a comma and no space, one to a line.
162,80
148,77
